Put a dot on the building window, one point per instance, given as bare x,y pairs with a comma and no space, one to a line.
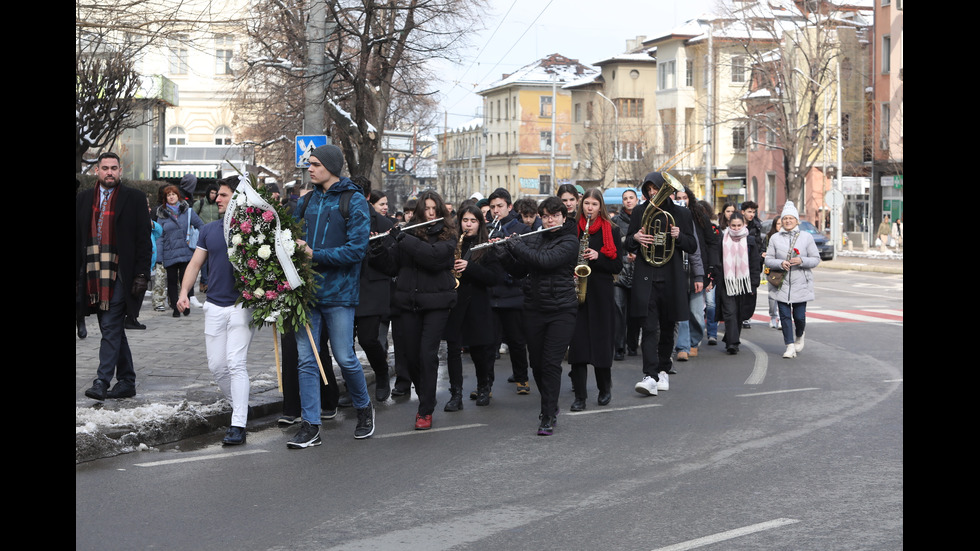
753,135
630,107
545,141
176,136
178,54
224,46
886,54
578,112
630,151
738,68
546,106
665,75
886,115
498,109
689,75
770,192
222,136
589,111
845,127
738,138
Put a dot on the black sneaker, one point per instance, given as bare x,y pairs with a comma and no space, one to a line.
345,401
547,426
98,390
365,422
308,435
287,420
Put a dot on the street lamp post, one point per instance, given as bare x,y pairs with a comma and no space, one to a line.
615,139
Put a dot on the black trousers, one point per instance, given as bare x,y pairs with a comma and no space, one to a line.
658,333
579,376
329,393
366,328
509,327
548,335
482,356
419,334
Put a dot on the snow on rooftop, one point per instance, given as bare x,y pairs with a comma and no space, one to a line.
542,71
588,79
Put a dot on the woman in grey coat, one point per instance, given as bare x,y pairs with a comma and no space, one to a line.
794,252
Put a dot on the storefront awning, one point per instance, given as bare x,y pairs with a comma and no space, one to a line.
178,171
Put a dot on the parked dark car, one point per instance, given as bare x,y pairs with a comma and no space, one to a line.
824,245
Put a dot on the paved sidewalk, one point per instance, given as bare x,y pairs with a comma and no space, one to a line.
176,399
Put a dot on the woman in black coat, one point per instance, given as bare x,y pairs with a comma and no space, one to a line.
546,262
471,320
593,339
425,291
734,278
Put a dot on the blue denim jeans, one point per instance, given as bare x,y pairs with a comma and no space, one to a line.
690,333
340,325
790,315
709,313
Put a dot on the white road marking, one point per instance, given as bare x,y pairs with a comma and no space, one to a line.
727,535
894,381
775,392
759,366
199,458
451,534
862,293
414,432
608,410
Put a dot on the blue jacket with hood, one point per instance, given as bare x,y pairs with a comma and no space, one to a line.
338,246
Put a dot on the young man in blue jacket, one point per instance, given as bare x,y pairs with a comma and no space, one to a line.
335,217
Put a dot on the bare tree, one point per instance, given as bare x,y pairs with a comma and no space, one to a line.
380,77
792,54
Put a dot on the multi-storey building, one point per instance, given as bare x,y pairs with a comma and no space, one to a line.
888,110
615,121
527,127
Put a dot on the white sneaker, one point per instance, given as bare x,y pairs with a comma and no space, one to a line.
790,351
196,303
664,382
774,322
799,342
503,348
647,387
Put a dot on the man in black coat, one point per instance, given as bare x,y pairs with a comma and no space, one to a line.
112,259
659,293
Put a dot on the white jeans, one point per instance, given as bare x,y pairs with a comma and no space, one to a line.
227,335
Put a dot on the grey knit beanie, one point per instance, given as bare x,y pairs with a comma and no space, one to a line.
331,157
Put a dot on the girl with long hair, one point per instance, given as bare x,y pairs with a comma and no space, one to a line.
593,339
734,276
425,291
471,320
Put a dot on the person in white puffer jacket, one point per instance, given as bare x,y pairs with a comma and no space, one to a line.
794,252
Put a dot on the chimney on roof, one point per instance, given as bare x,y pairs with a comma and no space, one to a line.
633,44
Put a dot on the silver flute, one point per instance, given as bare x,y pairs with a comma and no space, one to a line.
518,236
380,235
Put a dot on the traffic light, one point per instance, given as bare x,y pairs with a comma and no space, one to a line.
391,165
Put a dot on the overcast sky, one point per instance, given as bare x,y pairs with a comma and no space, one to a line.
518,32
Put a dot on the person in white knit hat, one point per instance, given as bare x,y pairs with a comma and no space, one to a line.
792,251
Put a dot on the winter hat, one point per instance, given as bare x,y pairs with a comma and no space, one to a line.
790,210
331,157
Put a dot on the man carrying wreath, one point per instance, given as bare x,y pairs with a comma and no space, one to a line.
336,222
227,326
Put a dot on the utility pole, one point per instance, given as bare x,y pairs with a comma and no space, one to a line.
554,118
318,71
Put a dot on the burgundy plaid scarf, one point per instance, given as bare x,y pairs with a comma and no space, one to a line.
101,255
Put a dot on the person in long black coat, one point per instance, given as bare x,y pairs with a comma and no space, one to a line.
374,305
659,293
593,339
737,295
471,320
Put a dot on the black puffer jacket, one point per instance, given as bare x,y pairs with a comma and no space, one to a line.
424,279
546,261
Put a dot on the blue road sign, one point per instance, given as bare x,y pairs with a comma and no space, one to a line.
304,146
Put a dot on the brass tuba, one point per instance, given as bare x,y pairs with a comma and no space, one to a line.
657,222
582,269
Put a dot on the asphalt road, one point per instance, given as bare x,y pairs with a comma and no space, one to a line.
743,452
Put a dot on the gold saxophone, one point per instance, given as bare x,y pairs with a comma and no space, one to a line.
582,269
459,252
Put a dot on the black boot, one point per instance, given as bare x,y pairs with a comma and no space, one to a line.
80,325
483,396
455,402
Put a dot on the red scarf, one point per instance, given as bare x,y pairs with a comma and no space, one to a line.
608,247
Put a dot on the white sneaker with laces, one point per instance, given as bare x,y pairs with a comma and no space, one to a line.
790,351
196,303
648,386
799,342
664,382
